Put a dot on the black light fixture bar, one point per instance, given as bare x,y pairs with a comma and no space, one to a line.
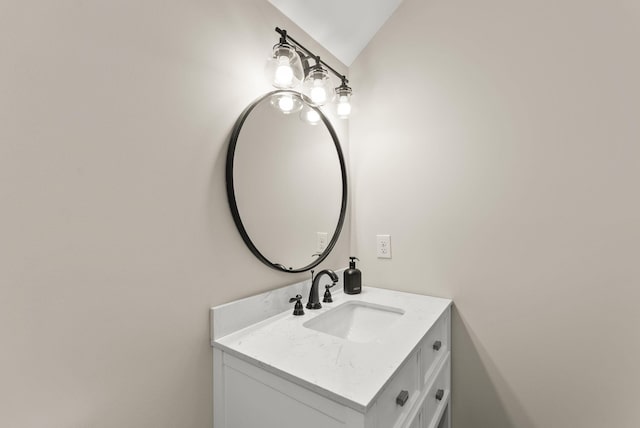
285,37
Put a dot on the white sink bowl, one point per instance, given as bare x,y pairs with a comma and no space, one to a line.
356,321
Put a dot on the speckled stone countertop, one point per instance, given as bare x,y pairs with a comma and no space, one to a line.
347,372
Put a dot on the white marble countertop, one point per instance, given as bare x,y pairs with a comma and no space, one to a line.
347,372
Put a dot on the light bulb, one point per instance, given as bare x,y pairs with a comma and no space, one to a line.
318,92
312,116
317,86
285,103
344,107
284,72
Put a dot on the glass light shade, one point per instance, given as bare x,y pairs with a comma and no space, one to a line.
343,93
284,68
310,116
344,106
317,86
286,103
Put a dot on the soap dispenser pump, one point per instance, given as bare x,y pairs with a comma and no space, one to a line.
352,278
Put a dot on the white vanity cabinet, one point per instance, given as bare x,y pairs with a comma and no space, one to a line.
275,392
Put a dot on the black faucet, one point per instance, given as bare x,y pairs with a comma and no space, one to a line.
314,298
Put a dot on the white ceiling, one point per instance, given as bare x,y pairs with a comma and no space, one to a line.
343,27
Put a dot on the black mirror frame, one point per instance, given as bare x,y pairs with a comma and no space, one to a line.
231,192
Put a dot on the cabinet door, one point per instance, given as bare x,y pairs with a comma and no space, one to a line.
392,410
437,399
250,403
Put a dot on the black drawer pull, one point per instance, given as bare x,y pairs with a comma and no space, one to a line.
437,345
439,394
402,398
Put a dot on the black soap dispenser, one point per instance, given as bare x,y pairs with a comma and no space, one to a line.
352,278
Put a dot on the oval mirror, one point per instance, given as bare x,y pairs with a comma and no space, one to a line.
286,181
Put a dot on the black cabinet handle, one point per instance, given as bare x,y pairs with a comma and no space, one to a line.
402,398
439,394
437,345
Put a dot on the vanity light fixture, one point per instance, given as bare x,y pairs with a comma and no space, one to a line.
317,85
310,116
291,64
286,103
284,69
343,92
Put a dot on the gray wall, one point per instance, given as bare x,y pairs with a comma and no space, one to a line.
497,142
115,235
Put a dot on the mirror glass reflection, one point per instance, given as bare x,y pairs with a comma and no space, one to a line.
287,176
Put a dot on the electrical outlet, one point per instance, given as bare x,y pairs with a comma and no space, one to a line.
322,240
383,246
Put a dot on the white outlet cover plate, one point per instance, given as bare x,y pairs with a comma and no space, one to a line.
383,246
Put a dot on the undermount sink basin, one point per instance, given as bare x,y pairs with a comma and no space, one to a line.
356,321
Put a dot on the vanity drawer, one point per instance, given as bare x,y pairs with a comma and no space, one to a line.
434,347
399,396
437,398
417,421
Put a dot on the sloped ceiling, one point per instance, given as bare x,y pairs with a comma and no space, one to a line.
343,27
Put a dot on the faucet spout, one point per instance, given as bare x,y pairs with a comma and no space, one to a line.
314,298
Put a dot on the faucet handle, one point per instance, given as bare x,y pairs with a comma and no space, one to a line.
327,294
297,309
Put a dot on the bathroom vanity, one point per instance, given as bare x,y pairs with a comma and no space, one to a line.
379,359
